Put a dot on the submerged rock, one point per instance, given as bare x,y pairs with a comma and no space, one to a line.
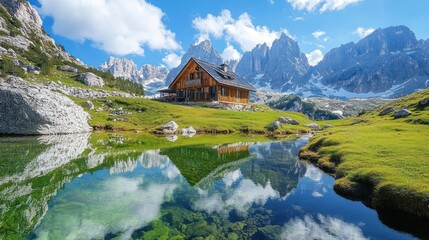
402,113
32,109
386,111
91,79
273,126
170,127
188,132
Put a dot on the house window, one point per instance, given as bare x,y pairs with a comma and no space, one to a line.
191,76
224,91
200,75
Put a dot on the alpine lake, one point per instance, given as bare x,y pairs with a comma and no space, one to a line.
110,186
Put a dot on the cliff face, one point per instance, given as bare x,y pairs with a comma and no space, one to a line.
22,27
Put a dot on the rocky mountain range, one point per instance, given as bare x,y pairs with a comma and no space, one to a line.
274,68
389,63
150,76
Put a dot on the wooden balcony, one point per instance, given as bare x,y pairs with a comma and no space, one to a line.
193,83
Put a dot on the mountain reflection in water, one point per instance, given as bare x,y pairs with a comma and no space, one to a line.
233,191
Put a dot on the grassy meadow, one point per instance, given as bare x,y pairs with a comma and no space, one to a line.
379,159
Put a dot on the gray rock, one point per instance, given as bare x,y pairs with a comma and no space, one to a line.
172,138
67,68
288,120
273,126
402,113
170,127
386,111
32,109
188,132
424,102
314,126
91,79
89,105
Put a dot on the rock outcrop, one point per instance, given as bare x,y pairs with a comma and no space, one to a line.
30,109
91,79
26,26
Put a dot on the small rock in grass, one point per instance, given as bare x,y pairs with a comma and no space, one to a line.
170,127
313,126
89,105
402,113
188,132
288,120
273,126
386,111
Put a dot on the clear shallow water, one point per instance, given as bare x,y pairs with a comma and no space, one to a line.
235,191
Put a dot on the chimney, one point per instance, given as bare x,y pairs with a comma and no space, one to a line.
224,67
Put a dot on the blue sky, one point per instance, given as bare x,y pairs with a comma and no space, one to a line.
147,32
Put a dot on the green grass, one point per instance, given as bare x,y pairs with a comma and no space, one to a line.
154,114
385,157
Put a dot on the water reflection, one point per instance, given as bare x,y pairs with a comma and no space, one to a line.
232,191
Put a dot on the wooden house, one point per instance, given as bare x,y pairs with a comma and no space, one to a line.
201,81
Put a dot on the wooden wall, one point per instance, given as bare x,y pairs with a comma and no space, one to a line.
208,81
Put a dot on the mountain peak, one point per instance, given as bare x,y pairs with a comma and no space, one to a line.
387,40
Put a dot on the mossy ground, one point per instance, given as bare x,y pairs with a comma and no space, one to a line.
388,156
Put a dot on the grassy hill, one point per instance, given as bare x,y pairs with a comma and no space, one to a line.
379,159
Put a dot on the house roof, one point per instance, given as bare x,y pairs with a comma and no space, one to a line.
225,78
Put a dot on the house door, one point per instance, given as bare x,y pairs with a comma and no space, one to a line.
213,95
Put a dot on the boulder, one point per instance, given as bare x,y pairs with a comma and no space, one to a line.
89,105
386,111
424,102
91,79
273,126
288,120
172,138
188,132
67,68
314,126
170,127
402,113
32,109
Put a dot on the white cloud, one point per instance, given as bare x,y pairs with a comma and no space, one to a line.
321,5
172,60
112,26
363,32
314,57
318,34
321,228
298,19
230,53
241,30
